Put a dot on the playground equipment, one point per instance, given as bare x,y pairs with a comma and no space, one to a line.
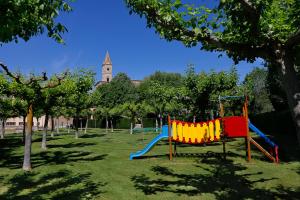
212,131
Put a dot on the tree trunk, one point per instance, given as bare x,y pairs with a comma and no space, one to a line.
52,126
111,125
156,125
44,139
24,128
194,119
142,123
76,127
106,125
81,125
28,140
68,124
2,132
292,89
57,125
86,125
161,123
131,128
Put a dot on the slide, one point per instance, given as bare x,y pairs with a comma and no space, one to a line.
161,136
262,135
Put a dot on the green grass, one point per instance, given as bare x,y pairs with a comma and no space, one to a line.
97,166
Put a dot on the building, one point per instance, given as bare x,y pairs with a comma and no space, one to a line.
106,77
106,70
16,123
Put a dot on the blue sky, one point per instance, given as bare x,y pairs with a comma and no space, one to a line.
97,26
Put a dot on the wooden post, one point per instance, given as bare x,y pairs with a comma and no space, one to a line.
170,137
223,137
248,133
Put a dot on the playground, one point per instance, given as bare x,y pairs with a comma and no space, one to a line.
214,130
96,166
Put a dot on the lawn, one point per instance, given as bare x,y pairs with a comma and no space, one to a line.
97,166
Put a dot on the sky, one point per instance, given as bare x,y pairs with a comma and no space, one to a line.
97,26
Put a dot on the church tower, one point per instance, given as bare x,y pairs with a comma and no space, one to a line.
106,69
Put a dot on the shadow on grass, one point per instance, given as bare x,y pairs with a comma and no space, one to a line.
71,145
62,184
94,135
220,179
51,158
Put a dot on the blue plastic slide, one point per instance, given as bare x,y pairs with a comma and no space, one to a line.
162,135
261,134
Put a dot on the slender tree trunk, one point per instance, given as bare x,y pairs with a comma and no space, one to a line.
86,125
76,127
131,128
28,141
68,124
111,125
57,125
211,114
52,126
24,128
194,119
37,123
161,123
106,124
2,132
142,123
156,125
44,139
81,125
292,88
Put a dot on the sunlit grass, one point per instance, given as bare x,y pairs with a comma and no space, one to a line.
97,166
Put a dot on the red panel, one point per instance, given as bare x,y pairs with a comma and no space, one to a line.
235,126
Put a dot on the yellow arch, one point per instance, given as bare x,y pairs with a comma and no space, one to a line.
185,132
174,130
179,131
211,131
198,133
192,132
205,131
218,129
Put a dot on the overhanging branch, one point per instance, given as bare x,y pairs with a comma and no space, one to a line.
59,80
293,40
10,74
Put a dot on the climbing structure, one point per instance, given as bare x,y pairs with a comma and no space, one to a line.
212,131
195,133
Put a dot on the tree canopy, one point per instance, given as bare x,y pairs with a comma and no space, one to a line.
26,18
243,29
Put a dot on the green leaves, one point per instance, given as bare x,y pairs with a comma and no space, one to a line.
245,30
26,18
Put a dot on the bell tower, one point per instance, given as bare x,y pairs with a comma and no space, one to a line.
106,69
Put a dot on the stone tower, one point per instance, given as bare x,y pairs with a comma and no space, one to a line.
106,69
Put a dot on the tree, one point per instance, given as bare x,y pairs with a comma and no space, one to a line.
79,85
51,97
27,18
158,96
29,90
255,84
110,96
202,90
275,87
243,29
